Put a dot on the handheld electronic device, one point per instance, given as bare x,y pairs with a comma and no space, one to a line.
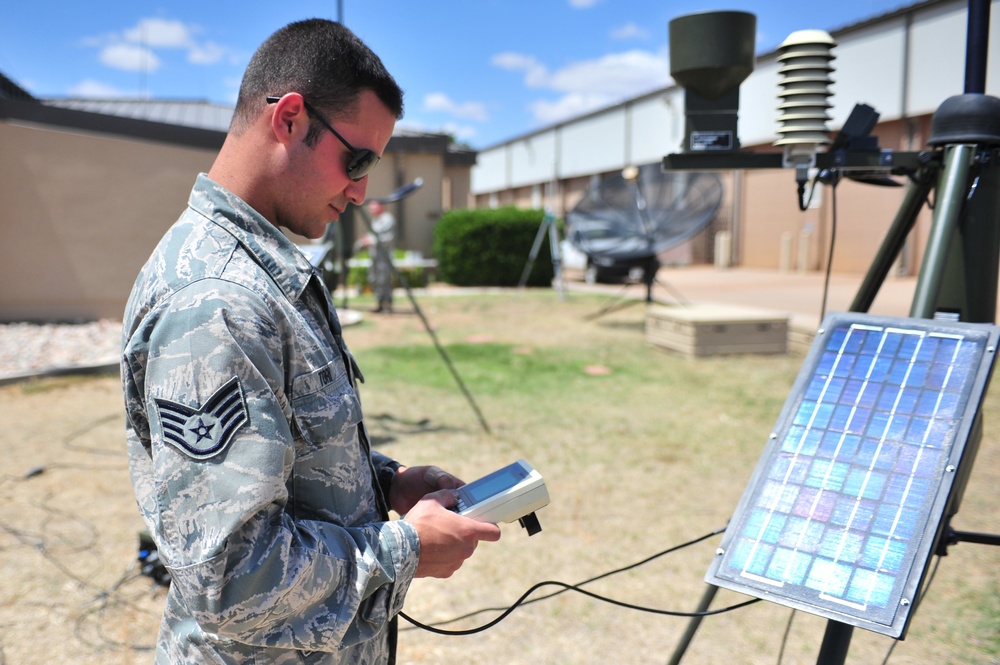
514,492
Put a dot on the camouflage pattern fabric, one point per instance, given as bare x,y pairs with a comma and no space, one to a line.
248,455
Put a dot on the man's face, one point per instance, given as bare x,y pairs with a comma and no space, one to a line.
317,187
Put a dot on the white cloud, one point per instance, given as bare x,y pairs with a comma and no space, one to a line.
535,73
130,57
232,86
630,31
135,48
96,89
583,4
161,33
567,106
615,74
459,131
588,84
438,101
205,54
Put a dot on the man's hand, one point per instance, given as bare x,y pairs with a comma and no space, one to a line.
411,484
446,538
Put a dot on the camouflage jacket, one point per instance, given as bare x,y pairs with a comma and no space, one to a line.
248,455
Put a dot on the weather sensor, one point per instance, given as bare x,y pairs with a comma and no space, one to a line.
864,468
805,88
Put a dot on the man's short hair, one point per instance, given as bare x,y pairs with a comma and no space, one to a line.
323,61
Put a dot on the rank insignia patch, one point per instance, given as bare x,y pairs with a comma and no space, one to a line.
207,430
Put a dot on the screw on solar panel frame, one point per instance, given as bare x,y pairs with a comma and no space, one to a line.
866,464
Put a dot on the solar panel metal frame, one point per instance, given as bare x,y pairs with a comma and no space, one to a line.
944,489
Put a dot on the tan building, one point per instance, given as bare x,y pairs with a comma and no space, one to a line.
88,191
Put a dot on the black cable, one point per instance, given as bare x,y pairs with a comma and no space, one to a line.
835,180
920,598
506,611
69,442
784,638
38,542
58,534
801,178
570,587
105,600
587,581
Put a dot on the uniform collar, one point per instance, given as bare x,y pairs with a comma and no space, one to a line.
271,248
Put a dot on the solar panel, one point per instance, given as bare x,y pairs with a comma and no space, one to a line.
845,506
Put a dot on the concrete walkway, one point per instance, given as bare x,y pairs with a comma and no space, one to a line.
799,295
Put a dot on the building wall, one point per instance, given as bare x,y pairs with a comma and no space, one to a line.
81,214
83,210
456,188
415,214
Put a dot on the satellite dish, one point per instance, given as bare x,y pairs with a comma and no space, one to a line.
627,220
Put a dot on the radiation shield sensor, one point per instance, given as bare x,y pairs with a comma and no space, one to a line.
862,471
512,493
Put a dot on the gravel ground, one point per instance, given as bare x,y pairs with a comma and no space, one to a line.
28,348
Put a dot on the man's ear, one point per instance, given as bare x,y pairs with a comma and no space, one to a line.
289,118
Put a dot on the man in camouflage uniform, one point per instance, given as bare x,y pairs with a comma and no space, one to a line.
247,449
380,273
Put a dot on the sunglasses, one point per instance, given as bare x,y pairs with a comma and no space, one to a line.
362,160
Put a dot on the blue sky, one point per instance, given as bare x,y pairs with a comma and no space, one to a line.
482,70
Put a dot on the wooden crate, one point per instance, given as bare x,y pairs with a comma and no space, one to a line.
708,330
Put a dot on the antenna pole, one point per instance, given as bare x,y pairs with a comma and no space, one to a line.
977,46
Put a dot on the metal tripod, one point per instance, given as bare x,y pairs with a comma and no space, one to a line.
548,227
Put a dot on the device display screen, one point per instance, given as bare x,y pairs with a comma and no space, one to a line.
487,487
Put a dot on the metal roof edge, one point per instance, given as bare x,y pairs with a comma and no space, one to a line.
32,111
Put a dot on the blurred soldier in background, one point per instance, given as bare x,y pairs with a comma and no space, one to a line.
382,247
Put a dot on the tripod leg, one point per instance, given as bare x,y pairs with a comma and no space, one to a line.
706,600
534,251
836,643
678,296
952,191
621,303
430,331
901,226
555,251
444,354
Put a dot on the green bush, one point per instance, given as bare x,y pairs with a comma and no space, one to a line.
491,247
